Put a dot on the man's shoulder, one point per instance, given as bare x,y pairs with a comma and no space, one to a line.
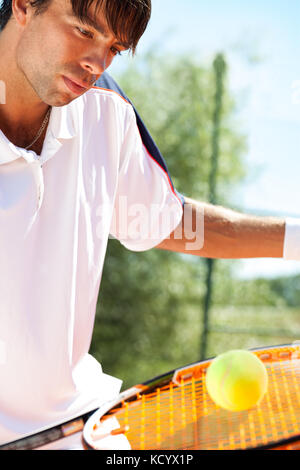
99,103
97,109
108,90
106,95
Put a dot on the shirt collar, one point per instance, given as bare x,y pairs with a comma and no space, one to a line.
62,125
62,121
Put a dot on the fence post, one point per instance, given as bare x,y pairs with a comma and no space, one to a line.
219,66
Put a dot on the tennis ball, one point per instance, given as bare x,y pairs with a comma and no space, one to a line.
236,380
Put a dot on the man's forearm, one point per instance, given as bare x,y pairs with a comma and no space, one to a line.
215,232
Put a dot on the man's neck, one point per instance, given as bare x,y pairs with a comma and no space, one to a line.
21,111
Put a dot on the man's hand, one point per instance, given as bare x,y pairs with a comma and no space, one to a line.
215,232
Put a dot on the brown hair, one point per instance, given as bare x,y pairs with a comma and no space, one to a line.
127,19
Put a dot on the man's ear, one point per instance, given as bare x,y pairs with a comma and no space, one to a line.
20,10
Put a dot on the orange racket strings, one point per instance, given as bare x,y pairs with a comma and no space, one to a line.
182,415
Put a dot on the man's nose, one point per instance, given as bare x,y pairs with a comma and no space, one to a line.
95,64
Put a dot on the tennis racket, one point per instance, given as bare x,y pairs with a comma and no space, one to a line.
174,411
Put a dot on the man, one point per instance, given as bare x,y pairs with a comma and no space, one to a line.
74,170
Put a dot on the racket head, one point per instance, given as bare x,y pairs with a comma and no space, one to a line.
174,411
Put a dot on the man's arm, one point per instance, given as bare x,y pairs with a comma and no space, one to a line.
212,231
215,232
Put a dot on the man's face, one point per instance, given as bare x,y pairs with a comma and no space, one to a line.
60,57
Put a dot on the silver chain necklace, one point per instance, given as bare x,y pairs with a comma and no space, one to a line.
45,121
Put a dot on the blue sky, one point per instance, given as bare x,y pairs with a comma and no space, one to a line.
266,91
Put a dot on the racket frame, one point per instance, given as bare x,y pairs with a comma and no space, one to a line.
86,421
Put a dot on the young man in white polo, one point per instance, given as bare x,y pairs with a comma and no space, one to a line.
76,165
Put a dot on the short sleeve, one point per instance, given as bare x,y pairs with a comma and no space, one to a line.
147,208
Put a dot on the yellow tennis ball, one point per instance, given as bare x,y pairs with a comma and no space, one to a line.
236,380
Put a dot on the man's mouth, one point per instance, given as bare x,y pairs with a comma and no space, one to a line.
75,86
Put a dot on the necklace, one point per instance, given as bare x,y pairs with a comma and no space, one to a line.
45,121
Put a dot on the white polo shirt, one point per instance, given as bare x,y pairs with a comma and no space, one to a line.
94,178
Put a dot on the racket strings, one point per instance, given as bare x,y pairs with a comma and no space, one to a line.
182,415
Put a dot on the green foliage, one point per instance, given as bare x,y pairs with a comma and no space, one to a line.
141,327
175,96
253,313
288,288
238,292
150,304
246,327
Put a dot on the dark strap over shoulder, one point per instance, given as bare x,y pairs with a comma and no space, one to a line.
107,82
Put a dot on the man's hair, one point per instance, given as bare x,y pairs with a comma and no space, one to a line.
127,19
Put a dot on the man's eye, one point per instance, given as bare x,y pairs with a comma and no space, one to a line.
84,32
116,51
